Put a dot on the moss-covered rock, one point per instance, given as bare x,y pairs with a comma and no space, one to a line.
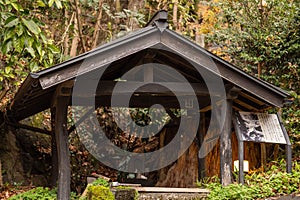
125,193
99,193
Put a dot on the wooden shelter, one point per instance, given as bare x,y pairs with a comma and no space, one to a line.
52,88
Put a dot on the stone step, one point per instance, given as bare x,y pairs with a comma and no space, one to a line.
150,193
164,193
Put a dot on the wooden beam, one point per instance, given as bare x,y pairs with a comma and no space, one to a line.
136,60
61,136
246,105
252,98
99,58
27,127
84,117
192,52
205,109
148,74
157,88
168,60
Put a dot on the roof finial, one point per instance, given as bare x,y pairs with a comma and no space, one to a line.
160,20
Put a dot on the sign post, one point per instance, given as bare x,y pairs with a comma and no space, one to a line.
260,127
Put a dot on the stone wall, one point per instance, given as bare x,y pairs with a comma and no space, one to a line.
25,157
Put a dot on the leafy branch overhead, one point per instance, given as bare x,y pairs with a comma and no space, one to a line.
24,45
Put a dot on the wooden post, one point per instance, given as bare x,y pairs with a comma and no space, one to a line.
263,155
201,136
225,138
241,162
288,149
288,146
54,159
148,74
240,150
1,181
61,136
225,146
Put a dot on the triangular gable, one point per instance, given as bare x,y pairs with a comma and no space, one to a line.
158,37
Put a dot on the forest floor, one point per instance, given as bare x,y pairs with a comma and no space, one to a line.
9,191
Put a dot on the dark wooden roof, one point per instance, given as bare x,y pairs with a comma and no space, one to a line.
158,44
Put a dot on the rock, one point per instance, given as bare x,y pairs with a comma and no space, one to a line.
124,193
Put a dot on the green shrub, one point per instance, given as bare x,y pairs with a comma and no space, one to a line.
275,181
39,193
100,181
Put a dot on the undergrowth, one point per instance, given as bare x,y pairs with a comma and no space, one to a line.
273,182
39,193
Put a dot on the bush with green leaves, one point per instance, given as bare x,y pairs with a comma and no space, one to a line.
24,44
100,181
275,181
40,193
263,38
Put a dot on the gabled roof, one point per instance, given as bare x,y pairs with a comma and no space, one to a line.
36,92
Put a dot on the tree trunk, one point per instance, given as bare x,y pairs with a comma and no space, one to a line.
175,10
97,25
79,25
74,46
184,173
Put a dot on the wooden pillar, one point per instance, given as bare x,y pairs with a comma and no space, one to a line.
225,146
241,162
1,180
263,155
201,136
54,159
225,138
240,149
288,146
148,74
61,136
289,161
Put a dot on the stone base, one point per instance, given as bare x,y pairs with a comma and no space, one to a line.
171,196
124,194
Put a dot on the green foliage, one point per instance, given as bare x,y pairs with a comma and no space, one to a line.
263,38
100,181
275,181
252,32
39,193
99,193
126,21
24,46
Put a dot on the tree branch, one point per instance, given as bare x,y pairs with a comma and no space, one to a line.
78,11
97,25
